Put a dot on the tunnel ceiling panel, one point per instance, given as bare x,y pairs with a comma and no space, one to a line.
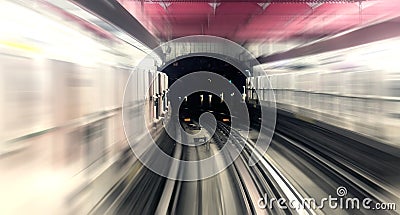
248,21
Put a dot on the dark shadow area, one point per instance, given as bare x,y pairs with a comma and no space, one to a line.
209,64
197,103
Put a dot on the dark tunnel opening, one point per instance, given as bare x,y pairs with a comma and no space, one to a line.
188,65
199,102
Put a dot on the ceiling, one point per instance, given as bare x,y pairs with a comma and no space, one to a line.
249,21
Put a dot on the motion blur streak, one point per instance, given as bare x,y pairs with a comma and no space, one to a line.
64,73
355,88
61,93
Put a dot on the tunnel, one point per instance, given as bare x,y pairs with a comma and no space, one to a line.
199,102
199,107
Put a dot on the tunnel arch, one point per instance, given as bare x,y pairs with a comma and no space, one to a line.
223,50
246,69
209,46
198,62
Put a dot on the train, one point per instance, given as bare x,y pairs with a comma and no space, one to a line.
61,95
355,88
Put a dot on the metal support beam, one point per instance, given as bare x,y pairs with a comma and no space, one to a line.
113,12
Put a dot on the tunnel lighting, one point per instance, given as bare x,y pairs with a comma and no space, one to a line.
186,120
225,120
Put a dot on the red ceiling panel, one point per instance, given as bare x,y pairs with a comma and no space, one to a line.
153,9
246,21
186,29
285,9
375,10
191,8
238,8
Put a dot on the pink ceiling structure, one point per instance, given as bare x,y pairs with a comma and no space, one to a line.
246,21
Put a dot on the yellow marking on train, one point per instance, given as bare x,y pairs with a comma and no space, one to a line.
22,46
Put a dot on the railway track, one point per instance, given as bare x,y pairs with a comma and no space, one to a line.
289,171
